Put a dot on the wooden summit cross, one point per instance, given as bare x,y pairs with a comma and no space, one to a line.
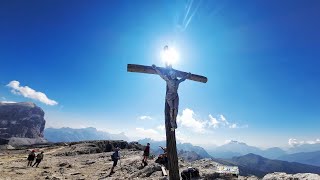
170,135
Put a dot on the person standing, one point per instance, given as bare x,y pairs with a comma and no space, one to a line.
115,157
38,159
31,157
146,154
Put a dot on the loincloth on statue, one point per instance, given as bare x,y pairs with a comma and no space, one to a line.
173,101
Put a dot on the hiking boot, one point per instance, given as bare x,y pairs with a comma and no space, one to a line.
145,164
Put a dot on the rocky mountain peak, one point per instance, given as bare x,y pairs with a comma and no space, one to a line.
21,120
235,142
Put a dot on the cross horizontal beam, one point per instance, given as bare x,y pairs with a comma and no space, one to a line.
150,70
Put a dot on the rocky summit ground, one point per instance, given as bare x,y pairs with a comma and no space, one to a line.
76,162
82,161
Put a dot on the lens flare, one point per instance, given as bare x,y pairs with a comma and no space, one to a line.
169,56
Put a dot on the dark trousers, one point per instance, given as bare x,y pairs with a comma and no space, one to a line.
30,162
37,162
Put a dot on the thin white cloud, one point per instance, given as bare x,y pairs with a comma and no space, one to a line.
213,121
294,142
145,117
188,120
149,133
7,102
30,93
180,137
233,126
161,127
223,120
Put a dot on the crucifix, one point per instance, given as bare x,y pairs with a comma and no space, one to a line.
171,76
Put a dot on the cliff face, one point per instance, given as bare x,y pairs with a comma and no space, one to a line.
21,120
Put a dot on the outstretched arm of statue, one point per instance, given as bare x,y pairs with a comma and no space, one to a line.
159,72
184,78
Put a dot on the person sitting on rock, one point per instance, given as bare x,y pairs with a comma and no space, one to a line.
31,157
38,159
146,154
115,157
164,151
163,158
164,155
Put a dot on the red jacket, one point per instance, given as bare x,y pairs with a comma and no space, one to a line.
147,149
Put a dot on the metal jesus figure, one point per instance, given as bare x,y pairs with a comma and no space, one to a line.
172,97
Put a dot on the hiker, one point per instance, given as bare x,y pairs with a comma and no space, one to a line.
163,158
172,97
146,154
38,159
31,157
115,157
164,155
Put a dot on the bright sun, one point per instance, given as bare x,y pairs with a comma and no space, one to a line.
169,55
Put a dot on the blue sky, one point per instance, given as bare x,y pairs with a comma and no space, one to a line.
261,59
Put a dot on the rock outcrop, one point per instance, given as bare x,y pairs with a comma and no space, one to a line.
21,123
284,176
91,147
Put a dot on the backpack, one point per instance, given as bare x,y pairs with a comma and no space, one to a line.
113,156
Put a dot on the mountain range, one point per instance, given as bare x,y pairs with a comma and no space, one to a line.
180,146
235,148
304,148
252,164
72,135
306,153
312,158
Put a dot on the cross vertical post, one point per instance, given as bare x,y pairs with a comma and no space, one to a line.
170,135
171,147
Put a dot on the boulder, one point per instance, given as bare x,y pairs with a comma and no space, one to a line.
21,123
